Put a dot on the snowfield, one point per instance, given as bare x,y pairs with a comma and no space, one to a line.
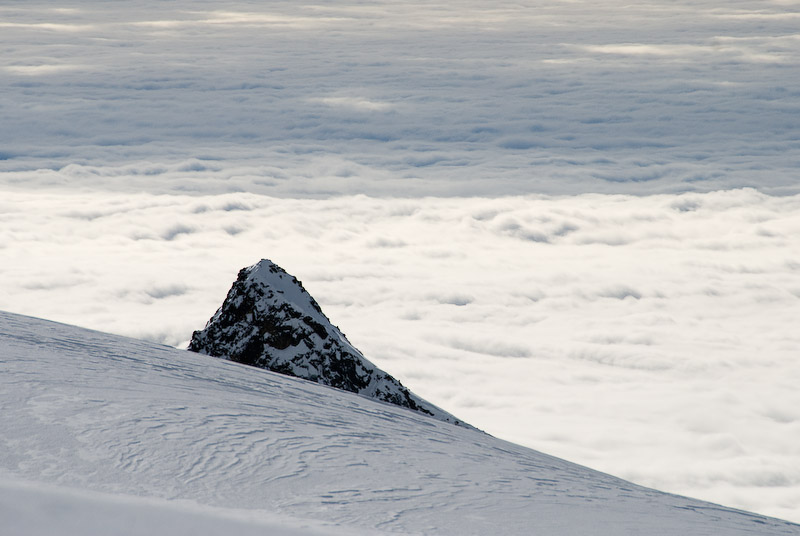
29,509
101,432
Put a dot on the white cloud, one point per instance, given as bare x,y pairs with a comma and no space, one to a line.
676,344
401,99
358,103
44,69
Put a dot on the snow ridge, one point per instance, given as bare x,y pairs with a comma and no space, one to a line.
268,320
101,434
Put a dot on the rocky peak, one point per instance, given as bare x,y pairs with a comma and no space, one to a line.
268,320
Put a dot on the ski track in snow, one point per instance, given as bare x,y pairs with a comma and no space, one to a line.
84,409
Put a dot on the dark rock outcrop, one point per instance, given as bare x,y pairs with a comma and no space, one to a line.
268,320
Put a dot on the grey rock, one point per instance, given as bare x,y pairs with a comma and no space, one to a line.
268,320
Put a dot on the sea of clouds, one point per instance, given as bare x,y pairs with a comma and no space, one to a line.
575,225
653,337
410,98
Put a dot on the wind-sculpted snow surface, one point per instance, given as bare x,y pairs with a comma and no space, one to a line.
268,320
105,414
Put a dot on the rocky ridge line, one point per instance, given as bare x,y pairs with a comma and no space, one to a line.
268,320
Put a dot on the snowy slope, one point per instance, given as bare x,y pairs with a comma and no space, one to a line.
33,509
268,320
102,413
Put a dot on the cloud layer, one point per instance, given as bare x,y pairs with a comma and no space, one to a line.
463,98
651,337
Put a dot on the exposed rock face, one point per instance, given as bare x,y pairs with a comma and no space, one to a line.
268,320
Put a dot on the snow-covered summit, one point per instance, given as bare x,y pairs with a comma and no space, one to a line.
268,320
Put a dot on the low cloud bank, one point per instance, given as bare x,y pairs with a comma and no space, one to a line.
461,98
651,337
